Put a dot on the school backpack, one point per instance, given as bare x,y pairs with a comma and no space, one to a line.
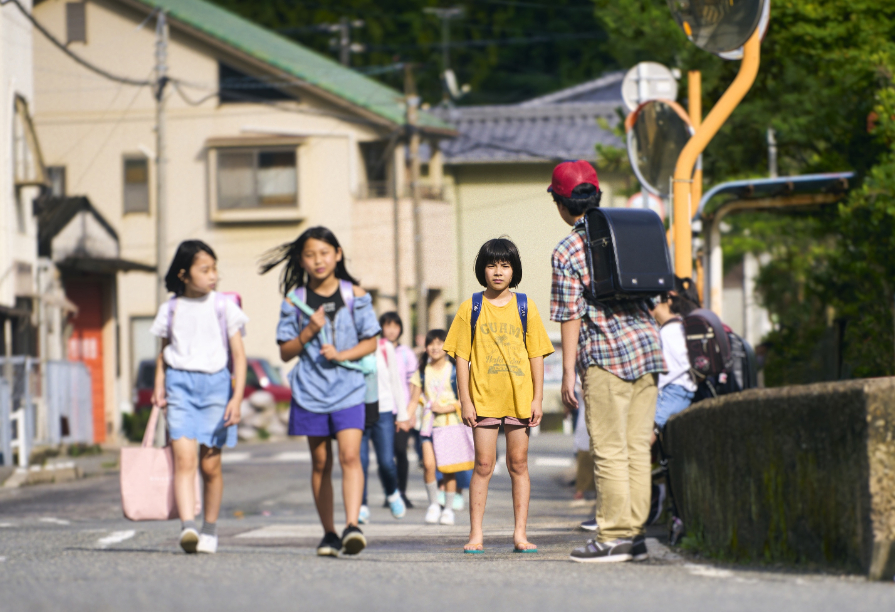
627,254
220,311
721,362
367,363
521,305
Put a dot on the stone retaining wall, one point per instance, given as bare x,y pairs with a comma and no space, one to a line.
797,474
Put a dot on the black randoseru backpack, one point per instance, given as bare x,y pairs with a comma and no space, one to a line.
708,346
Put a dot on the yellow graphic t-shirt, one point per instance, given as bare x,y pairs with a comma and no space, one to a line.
438,390
500,375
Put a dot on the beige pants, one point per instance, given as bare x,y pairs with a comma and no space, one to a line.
619,416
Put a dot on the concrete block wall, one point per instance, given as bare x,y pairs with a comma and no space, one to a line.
801,474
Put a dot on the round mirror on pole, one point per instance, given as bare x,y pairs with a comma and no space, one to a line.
657,132
717,26
648,81
737,54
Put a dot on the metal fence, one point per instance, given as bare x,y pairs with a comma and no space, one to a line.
69,401
29,414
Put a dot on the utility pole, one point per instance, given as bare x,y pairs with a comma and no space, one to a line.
161,161
422,292
445,15
343,42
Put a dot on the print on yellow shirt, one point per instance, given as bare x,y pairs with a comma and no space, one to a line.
500,371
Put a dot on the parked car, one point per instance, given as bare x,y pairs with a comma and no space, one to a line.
260,376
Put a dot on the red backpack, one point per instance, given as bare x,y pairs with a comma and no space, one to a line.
708,346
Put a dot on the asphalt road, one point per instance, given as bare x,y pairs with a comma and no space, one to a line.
67,547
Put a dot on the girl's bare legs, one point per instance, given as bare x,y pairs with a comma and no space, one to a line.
485,439
322,480
186,461
214,481
428,463
352,473
450,483
517,466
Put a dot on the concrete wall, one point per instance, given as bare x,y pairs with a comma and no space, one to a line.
798,474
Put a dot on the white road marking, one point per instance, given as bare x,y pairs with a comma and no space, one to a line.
235,457
497,464
294,457
54,520
559,462
4,525
708,571
2,559
115,537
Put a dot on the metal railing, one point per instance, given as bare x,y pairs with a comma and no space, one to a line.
69,401
5,423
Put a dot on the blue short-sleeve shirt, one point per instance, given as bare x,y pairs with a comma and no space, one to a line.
318,384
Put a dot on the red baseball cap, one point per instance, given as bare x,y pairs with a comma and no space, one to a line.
570,174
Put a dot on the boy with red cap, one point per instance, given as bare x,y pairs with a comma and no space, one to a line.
615,347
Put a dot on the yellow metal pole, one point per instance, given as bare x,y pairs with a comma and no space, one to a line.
683,172
694,106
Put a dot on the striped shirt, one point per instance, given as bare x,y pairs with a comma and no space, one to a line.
619,336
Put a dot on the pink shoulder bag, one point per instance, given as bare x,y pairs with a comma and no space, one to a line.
147,479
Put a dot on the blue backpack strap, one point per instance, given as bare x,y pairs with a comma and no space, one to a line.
454,381
474,317
522,305
300,294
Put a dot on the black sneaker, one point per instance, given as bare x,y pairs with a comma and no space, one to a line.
329,546
353,540
590,525
638,549
613,551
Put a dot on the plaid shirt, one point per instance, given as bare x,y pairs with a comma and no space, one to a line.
618,336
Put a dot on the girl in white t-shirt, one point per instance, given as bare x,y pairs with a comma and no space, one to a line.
676,386
200,331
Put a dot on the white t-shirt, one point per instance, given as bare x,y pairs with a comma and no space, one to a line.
197,344
674,348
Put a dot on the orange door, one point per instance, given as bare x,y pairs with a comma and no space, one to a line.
86,343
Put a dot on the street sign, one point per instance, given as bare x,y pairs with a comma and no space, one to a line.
737,54
648,81
717,26
657,132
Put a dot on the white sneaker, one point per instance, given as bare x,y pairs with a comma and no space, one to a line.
447,517
433,514
189,538
207,543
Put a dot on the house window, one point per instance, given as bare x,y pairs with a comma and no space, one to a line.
256,178
76,22
136,185
376,156
56,177
236,86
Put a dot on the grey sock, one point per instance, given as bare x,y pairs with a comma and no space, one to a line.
449,500
432,492
210,528
188,525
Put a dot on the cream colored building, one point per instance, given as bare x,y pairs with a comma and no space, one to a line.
264,139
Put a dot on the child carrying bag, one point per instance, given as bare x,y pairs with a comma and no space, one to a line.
147,479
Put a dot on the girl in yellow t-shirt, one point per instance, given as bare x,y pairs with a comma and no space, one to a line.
500,378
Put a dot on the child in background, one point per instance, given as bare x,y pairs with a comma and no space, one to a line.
500,376
392,405
392,329
435,383
327,393
199,328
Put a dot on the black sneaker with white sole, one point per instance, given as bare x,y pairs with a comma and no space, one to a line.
590,525
614,551
639,551
353,540
330,545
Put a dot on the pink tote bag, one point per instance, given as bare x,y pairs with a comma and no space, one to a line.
147,479
454,448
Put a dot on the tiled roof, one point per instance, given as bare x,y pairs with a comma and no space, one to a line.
292,58
560,126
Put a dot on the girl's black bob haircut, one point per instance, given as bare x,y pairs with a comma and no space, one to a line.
431,336
584,197
392,317
498,250
182,262
293,274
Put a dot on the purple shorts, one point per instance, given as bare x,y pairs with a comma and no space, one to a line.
494,421
306,423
